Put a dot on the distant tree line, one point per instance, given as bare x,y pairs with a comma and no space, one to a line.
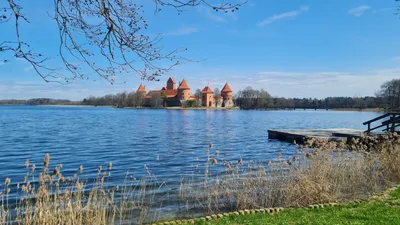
390,93
133,99
39,101
250,98
12,102
387,97
120,100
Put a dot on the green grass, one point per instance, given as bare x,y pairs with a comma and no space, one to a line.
378,211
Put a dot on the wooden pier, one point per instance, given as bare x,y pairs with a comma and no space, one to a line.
337,134
389,123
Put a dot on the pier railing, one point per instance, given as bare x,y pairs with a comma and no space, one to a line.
390,123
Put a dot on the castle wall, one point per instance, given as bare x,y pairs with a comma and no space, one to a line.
171,86
218,103
207,100
227,99
228,103
183,94
173,102
142,93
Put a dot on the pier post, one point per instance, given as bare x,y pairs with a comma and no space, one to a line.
393,123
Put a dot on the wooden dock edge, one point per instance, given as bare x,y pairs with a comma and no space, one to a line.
299,136
284,136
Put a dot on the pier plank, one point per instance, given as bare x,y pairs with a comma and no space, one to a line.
335,134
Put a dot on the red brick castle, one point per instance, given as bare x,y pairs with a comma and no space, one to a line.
179,96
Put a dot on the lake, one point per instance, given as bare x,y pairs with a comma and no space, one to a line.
169,142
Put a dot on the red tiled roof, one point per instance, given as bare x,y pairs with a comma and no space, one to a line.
226,88
183,85
170,93
207,90
141,88
171,80
151,93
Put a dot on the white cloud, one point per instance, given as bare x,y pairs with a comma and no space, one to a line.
211,14
359,11
325,84
285,15
182,31
25,90
28,68
313,84
251,3
219,17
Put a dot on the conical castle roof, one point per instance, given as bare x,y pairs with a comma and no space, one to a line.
226,88
207,90
171,80
141,88
183,85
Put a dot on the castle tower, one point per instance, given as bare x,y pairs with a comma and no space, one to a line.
140,97
171,85
141,90
207,97
226,94
183,91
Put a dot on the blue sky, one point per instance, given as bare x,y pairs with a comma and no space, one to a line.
291,48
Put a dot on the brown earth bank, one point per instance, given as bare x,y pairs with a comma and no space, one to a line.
360,110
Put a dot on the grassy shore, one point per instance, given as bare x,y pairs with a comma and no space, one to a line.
384,210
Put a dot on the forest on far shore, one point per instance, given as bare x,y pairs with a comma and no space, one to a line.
387,97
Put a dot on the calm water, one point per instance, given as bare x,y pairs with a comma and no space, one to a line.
166,141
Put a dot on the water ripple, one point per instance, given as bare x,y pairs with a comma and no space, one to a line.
169,142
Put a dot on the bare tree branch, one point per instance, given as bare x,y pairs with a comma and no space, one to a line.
103,37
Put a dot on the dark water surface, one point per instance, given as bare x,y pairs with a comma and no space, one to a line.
166,141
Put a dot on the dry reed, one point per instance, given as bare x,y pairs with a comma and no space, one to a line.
320,172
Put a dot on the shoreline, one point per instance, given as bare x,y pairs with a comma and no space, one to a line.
102,106
202,108
377,110
165,108
359,110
